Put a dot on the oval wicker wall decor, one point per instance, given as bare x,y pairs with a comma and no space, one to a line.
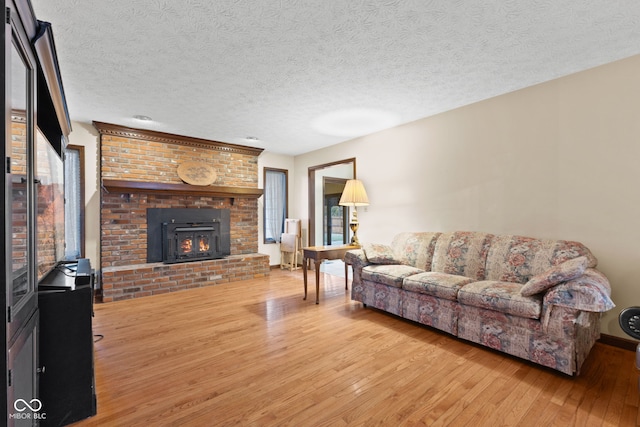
197,173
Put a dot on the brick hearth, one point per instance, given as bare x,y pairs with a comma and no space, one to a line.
139,171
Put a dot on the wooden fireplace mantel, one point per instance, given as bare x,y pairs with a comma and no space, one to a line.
124,186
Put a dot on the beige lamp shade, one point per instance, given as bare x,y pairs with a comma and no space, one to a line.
354,194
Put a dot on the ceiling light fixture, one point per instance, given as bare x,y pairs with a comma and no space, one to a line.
142,118
353,122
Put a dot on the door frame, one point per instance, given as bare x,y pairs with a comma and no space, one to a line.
312,193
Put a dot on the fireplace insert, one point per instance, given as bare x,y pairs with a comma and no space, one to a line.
183,235
190,241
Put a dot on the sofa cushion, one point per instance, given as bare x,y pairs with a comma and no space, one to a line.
391,274
567,270
380,254
518,259
500,296
415,249
463,253
441,285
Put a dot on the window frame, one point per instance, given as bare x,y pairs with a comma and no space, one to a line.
284,172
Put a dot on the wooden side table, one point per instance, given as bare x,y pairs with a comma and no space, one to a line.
319,254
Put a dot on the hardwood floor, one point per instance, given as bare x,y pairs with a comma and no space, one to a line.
253,353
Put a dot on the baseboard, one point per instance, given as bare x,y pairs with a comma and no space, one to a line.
614,341
277,267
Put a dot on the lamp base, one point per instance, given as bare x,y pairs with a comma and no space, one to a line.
354,228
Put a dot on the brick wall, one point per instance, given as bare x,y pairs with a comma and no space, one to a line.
136,281
123,237
133,159
136,155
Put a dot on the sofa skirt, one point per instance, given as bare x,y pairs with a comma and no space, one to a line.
424,309
431,311
562,340
563,344
377,295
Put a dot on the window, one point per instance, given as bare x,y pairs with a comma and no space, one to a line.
275,203
74,208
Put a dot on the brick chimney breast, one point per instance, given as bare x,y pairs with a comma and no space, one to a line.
143,159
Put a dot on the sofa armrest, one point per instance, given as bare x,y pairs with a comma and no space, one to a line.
357,259
589,292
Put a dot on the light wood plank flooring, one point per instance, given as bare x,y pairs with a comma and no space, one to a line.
253,353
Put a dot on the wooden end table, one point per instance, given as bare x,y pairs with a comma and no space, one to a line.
319,254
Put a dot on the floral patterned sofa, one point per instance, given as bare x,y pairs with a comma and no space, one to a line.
540,300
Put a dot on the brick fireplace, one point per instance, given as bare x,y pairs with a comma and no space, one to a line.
139,172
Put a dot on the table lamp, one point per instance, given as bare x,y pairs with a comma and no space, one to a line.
354,195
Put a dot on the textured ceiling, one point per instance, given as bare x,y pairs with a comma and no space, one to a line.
228,69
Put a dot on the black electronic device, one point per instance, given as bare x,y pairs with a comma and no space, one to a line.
83,272
68,275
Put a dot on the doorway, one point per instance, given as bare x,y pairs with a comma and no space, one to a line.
335,230
342,169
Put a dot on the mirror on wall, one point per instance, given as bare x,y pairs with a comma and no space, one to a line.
324,181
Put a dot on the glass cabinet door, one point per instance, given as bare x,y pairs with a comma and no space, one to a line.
18,152
21,295
19,232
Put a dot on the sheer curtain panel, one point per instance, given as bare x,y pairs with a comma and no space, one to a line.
275,204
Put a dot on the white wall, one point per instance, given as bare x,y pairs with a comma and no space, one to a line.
557,160
276,161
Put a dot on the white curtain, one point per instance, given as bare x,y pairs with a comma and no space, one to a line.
275,209
72,211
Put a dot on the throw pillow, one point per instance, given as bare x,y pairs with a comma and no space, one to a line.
568,270
379,254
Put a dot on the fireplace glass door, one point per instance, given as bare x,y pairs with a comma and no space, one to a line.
191,242
194,242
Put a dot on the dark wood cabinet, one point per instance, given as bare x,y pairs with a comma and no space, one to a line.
67,386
